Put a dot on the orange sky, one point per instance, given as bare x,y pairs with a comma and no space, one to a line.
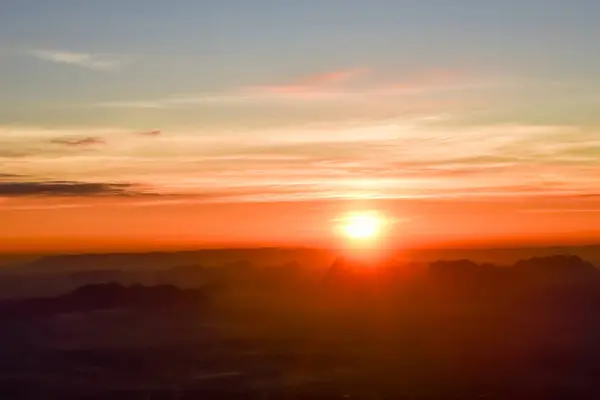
471,123
126,225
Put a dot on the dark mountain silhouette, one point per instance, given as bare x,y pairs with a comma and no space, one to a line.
465,272
105,296
456,329
164,260
266,256
558,270
552,272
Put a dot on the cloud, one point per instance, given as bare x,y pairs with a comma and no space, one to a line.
150,133
334,86
63,188
377,158
81,142
312,83
84,60
323,86
327,78
7,153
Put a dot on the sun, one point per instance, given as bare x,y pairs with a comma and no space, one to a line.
362,226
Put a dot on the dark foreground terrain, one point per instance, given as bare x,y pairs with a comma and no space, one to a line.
450,330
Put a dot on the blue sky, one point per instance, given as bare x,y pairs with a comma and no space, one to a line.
213,45
257,100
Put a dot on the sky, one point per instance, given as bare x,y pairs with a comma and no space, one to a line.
141,123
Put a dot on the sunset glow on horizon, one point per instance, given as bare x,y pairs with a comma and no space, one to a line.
225,124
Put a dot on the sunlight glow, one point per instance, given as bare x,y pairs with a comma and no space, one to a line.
362,226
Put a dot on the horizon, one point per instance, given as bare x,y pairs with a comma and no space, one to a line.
340,250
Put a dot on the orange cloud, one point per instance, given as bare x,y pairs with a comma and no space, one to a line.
333,85
336,83
333,77
313,83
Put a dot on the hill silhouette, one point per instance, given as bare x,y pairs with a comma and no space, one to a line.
454,329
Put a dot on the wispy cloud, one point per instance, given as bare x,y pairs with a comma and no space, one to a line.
150,133
342,85
91,61
62,188
23,142
395,158
326,81
79,142
8,176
